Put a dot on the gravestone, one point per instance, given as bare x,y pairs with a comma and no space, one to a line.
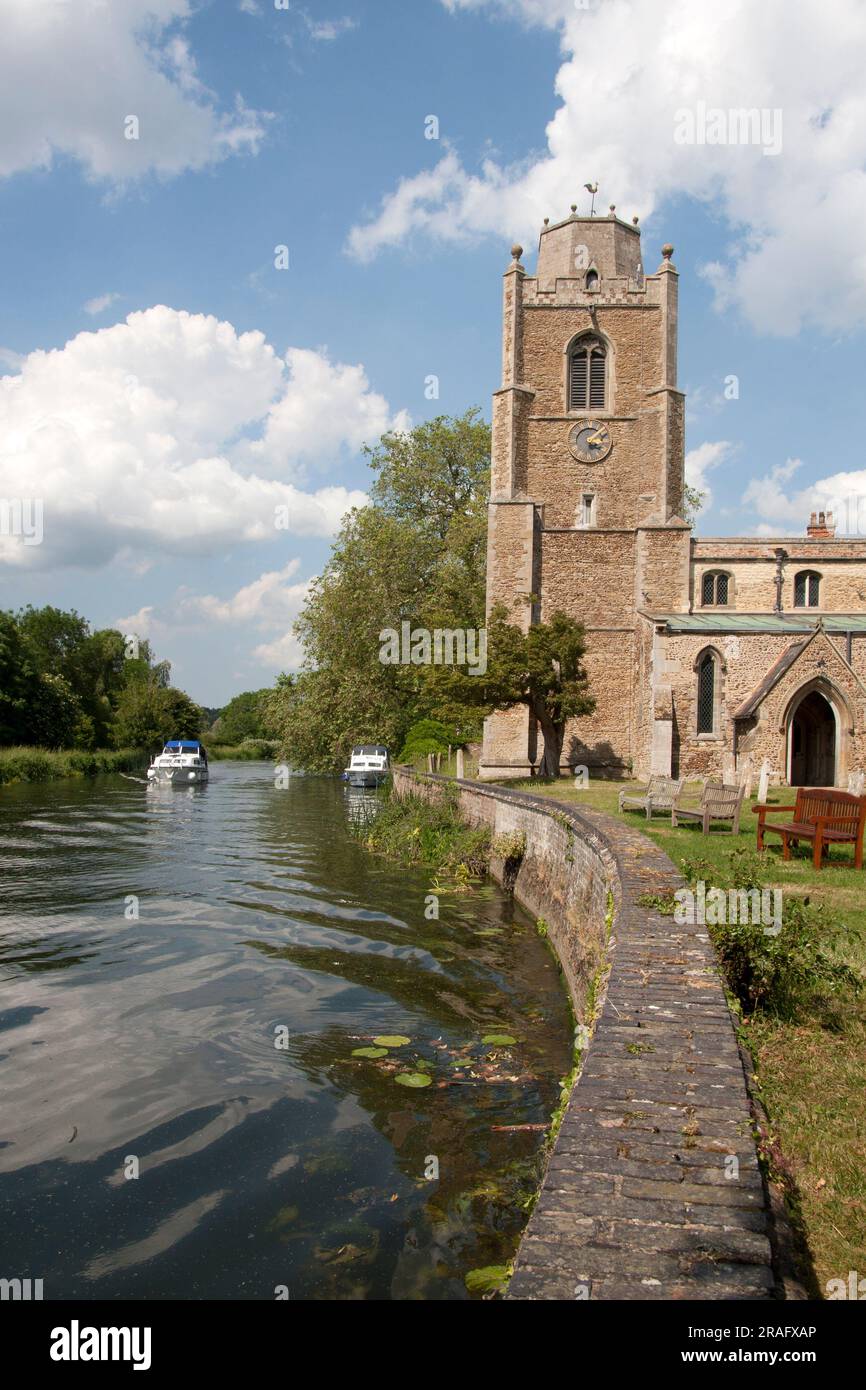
764,781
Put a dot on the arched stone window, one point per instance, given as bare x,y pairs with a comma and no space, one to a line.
807,589
587,374
592,280
716,589
708,692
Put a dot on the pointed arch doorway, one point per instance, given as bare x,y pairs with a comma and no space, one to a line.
812,742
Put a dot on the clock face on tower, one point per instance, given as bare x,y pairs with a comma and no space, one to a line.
590,441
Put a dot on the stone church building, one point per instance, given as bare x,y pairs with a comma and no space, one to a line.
705,654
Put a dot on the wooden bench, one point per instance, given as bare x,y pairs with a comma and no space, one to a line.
659,795
824,816
719,801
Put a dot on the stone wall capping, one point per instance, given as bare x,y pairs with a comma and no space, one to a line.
636,1180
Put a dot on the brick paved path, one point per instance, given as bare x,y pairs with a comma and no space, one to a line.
636,1202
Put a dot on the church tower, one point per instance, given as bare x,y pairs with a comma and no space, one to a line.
587,477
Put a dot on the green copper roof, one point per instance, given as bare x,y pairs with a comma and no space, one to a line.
761,622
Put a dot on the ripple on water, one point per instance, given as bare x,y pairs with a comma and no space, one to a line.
207,1037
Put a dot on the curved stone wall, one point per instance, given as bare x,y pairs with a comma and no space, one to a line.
653,1188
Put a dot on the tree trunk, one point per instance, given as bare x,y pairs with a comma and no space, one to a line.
554,736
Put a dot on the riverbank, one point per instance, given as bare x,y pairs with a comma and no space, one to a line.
809,1070
252,750
21,764
417,832
653,1188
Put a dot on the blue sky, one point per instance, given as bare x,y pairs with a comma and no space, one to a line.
161,445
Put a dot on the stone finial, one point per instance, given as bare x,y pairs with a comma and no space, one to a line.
547,221
635,220
667,250
612,209
517,252
574,209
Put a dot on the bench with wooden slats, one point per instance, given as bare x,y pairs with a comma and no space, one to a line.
821,814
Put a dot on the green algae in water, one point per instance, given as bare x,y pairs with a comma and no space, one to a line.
490,1279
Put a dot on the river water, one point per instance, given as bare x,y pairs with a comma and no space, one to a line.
184,977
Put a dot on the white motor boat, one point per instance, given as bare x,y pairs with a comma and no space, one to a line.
182,762
368,766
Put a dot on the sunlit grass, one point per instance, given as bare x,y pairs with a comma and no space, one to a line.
810,1077
23,764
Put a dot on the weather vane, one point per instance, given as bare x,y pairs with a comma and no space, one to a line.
593,189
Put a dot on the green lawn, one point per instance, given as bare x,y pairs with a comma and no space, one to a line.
812,1080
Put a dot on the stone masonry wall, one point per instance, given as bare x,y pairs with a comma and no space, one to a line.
747,658
637,1201
841,564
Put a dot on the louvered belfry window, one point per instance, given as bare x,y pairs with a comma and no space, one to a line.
706,695
587,376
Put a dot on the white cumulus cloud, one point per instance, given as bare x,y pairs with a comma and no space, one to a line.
73,71
629,69
702,460
269,601
781,508
268,605
172,433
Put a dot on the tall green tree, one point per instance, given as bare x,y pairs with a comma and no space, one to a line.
415,554
18,681
541,668
96,666
243,717
148,714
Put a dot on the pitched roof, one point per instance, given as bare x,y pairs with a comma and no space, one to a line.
775,673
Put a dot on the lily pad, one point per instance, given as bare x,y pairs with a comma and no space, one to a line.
416,1079
370,1052
499,1039
391,1040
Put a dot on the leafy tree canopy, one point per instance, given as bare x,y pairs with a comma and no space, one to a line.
61,684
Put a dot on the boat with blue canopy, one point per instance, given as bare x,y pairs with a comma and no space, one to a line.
182,762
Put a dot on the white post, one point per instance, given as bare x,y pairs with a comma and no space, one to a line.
459,764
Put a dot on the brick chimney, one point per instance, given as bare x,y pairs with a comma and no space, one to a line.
821,526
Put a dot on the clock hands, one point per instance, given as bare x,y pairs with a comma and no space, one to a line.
590,441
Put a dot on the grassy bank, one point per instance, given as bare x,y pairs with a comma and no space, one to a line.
251,750
810,1061
425,834
22,764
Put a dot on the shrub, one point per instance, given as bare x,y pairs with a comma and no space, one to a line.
428,736
427,833
793,972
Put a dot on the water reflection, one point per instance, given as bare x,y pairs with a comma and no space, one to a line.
156,1039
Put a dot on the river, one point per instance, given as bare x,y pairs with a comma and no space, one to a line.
185,975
